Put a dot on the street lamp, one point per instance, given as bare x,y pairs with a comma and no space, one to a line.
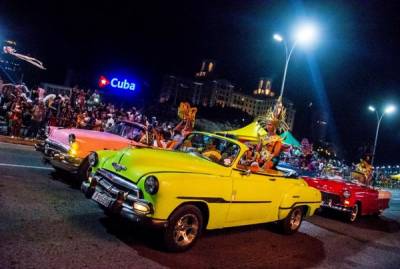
278,37
306,33
388,110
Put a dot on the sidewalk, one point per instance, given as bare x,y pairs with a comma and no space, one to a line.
18,140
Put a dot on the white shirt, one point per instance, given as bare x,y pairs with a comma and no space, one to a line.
110,123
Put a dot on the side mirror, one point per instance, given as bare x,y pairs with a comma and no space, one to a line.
245,173
292,174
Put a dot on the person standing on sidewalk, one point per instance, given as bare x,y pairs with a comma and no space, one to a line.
38,114
26,121
16,118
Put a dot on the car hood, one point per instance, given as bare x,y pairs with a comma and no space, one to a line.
333,186
89,140
142,161
61,135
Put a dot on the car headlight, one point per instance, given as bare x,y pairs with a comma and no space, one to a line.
73,149
141,208
93,158
346,194
151,185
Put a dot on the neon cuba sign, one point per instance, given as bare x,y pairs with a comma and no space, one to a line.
116,83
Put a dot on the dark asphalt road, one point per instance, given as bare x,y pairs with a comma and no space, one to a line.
45,222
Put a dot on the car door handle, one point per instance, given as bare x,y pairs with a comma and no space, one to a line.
272,179
245,173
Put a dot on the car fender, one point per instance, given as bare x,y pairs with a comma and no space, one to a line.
104,156
299,196
177,188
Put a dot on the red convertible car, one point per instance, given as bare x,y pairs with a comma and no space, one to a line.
349,196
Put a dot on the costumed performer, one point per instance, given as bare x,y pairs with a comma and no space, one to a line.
270,145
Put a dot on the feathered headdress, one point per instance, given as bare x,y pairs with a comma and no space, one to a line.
187,113
276,116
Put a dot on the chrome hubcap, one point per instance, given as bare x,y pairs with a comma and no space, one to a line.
186,229
354,213
295,219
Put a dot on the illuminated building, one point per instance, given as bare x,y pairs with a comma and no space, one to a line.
256,106
207,68
205,91
264,88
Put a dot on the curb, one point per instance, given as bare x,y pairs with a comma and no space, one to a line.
18,140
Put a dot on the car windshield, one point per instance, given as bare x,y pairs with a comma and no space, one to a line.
339,174
214,149
332,173
128,130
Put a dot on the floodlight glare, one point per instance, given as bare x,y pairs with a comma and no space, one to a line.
371,108
390,109
306,33
278,37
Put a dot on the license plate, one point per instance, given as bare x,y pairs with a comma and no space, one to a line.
102,199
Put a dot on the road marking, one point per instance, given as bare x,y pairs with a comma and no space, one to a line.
11,145
26,166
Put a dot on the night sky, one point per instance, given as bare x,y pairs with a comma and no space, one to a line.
354,63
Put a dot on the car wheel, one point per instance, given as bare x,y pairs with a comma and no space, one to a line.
353,215
84,171
184,227
292,222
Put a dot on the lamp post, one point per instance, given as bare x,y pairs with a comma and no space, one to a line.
305,34
388,110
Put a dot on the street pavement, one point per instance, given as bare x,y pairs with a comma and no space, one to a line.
45,222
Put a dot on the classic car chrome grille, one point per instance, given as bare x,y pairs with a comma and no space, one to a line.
52,146
327,197
113,184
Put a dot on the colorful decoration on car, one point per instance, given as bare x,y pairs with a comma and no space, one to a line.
277,116
187,113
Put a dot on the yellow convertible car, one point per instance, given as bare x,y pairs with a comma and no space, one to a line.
203,184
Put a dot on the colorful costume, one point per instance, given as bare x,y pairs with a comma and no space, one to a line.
363,172
270,145
306,150
187,114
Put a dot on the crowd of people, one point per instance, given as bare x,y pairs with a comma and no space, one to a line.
26,113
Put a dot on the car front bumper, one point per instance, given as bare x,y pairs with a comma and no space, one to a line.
341,208
58,156
121,199
334,201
